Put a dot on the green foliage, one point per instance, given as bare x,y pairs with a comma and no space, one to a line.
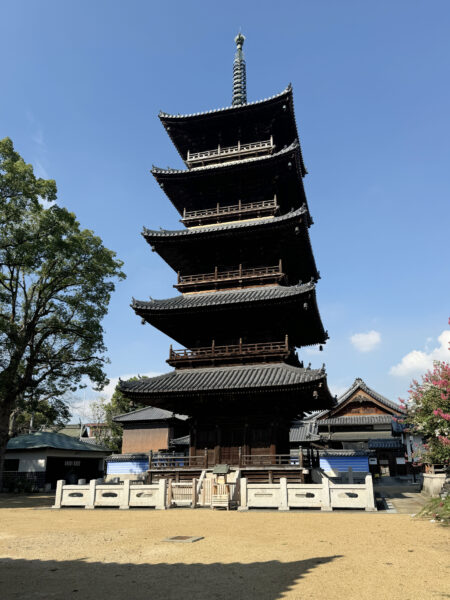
428,413
36,414
437,509
56,281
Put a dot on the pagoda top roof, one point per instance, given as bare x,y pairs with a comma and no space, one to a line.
218,379
150,234
249,122
220,298
238,107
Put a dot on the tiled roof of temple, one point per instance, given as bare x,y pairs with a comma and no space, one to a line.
211,229
149,413
256,294
225,378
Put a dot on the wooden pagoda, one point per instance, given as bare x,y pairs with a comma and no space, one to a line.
247,281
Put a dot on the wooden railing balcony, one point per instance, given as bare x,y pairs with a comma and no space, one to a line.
303,458
231,278
227,153
177,460
231,353
231,212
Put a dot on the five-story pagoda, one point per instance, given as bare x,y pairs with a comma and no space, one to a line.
247,277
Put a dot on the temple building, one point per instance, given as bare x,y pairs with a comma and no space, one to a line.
246,278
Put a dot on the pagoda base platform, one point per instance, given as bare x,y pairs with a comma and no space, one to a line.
257,474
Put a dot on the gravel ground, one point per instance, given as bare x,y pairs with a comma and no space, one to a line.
114,554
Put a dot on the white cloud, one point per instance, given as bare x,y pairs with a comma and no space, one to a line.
365,342
419,361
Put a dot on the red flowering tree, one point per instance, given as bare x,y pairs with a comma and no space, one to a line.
428,413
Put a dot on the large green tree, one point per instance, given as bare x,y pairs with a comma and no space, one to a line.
56,282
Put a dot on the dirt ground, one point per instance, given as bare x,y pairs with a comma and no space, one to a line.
112,554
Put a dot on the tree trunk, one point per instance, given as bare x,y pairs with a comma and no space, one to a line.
6,409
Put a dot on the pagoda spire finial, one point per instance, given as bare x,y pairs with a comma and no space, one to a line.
239,73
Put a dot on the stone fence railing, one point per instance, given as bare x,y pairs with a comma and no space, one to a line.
325,495
124,495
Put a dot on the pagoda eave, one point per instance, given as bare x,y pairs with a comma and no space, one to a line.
256,243
259,314
252,179
296,389
251,121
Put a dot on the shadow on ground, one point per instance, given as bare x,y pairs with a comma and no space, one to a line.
94,580
27,500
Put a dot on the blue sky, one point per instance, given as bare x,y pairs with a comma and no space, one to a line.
83,83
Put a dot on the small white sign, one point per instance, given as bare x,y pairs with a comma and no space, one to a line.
373,461
400,460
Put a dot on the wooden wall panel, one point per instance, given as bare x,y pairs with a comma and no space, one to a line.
145,439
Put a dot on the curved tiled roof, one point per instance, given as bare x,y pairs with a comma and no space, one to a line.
360,384
232,163
256,294
162,115
214,379
356,420
149,413
205,230
302,431
46,439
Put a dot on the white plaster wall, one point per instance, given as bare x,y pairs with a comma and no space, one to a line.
30,462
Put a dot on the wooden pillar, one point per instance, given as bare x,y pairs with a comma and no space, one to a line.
246,448
273,446
217,457
193,446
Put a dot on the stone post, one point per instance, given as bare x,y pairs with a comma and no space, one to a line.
370,499
243,505
350,475
326,498
284,505
59,493
162,491
91,495
169,493
125,495
194,493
